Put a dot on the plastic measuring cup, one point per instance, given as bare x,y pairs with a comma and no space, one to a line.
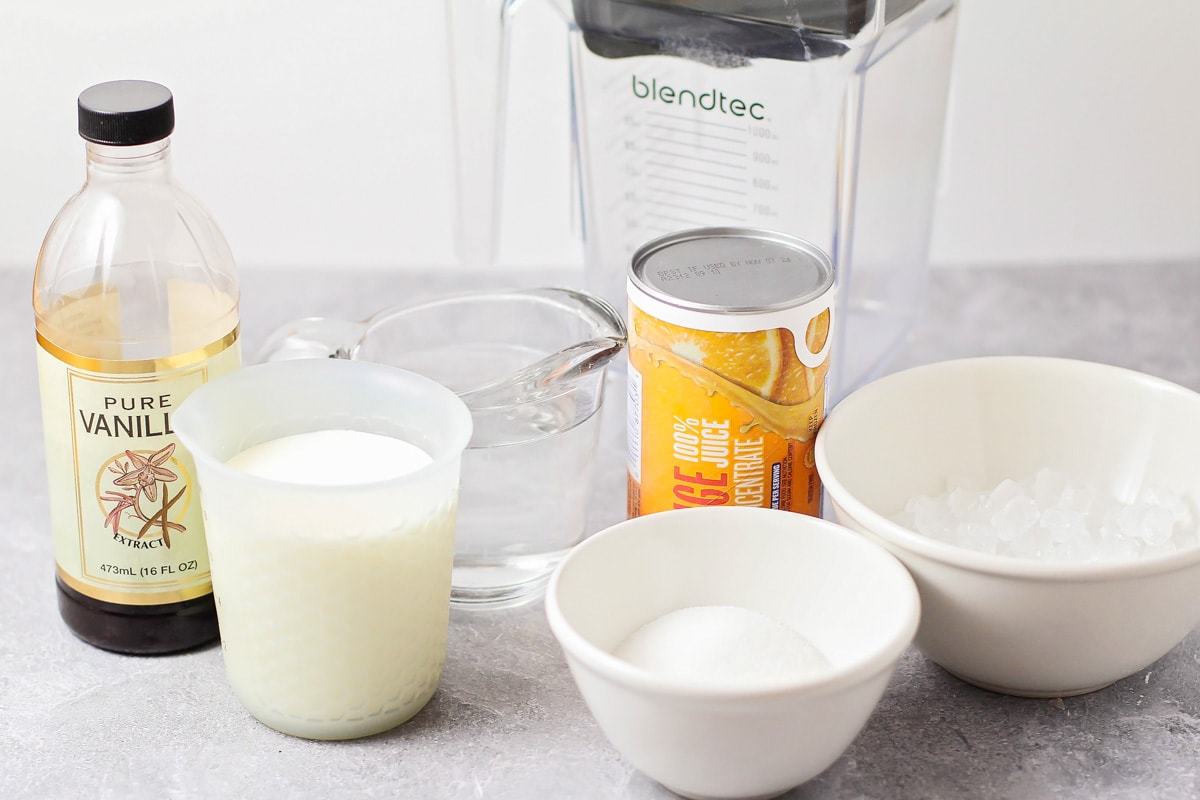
333,601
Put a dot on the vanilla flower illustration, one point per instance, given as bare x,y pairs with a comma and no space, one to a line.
145,473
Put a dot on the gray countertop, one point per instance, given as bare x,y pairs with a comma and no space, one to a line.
507,721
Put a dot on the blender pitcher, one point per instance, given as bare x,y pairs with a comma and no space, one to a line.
822,119
818,118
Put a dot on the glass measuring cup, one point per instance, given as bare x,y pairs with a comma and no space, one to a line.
530,366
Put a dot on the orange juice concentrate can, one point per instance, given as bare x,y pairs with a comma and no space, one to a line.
729,340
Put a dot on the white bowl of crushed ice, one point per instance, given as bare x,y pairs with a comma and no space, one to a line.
1046,507
727,651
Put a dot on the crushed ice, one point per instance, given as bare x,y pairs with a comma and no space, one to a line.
1050,518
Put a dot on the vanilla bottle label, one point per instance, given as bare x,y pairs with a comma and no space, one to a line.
124,505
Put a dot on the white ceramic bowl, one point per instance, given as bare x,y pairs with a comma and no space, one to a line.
848,597
1022,626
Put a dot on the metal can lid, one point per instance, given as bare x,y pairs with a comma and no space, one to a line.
732,270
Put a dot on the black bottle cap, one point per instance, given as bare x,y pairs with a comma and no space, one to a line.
126,113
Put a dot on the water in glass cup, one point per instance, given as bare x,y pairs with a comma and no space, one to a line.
525,476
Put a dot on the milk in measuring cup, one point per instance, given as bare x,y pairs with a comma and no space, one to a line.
328,631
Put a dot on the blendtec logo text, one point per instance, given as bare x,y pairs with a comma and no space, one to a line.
711,100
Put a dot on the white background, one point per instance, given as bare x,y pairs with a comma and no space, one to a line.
318,134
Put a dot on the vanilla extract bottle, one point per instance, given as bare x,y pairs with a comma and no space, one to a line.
136,304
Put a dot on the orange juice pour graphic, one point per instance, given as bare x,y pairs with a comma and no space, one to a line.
725,417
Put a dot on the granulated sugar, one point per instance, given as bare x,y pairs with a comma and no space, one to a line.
723,646
1050,518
